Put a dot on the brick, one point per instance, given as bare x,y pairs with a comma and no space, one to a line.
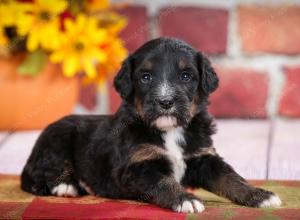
205,29
88,96
290,95
136,32
269,29
242,93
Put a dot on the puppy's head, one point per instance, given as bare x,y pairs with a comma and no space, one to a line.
167,82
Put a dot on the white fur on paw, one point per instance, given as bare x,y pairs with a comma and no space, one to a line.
64,189
198,206
272,201
192,206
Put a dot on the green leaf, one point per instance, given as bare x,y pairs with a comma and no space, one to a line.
33,64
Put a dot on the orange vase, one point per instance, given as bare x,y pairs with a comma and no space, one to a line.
32,102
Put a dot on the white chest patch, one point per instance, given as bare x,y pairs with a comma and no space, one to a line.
172,138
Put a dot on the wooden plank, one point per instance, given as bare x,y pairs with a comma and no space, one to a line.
285,151
243,144
15,151
3,136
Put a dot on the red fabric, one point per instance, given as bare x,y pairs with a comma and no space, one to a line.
42,209
17,204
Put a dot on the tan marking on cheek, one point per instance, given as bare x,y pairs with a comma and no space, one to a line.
146,152
194,107
139,107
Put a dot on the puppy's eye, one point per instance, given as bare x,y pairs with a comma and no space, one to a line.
185,76
146,78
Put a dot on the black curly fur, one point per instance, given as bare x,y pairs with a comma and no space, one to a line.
98,149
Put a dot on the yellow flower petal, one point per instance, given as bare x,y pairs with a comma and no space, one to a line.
70,26
59,6
57,56
99,55
70,66
54,6
89,67
24,25
81,21
3,40
94,5
32,41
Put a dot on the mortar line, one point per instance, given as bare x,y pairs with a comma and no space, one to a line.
272,125
5,138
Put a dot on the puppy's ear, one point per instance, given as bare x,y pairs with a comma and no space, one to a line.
123,81
209,80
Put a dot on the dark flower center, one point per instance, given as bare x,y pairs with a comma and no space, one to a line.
45,16
79,46
4,2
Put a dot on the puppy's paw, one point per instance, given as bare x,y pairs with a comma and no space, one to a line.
273,201
261,198
63,189
189,204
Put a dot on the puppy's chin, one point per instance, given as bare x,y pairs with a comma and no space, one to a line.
165,122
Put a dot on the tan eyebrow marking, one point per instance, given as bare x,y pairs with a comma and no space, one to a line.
182,64
147,64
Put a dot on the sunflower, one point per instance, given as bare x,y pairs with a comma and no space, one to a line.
11,12
116,53
113,46
79,49
42,24
111,21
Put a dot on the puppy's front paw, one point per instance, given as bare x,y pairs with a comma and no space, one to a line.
189,205
63,189
263,199
272,201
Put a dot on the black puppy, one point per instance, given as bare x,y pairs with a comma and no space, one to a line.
156,145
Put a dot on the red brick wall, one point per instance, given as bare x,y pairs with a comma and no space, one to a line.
255,49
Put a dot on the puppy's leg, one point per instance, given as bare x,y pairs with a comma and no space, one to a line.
49,169
149,177
213,174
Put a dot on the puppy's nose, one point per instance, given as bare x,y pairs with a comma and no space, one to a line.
166,103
